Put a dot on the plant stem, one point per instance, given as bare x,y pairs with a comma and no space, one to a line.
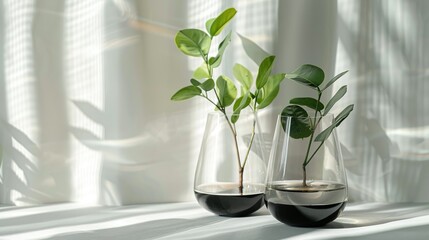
250,143
247,153
306,161
233,129
234,133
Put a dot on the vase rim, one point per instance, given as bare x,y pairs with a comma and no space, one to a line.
328,115
231,113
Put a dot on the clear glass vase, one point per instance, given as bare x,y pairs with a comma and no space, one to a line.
222,185
306,184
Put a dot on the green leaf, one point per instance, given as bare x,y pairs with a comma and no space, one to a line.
215,61
208,85
271,89
240,104
324,134
195,82
201,72
193,42
300,122
264,71
308,102
334,79
338,95
260,96
343,115
186,93
256,53
243,76
226,90
220,22
234,117
337,121
308,75
209,24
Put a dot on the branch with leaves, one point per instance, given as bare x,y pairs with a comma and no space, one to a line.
302,125
254,94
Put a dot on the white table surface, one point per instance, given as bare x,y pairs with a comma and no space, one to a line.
189,221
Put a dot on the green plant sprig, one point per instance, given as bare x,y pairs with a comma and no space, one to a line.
302,126
254,94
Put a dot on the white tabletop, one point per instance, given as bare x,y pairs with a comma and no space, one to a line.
189,221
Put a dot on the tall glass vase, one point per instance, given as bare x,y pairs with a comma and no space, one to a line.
231,170
306,183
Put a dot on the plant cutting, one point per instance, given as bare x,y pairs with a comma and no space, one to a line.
306,139
229,101
303,126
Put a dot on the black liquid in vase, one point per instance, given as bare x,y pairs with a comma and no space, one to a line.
310,206
230,202
305,215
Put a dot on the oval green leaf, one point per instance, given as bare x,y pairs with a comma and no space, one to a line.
264,71
333,80
300,122
322,136
220,22
209,24
337,96
343,115
195,82
215,61
243,76
253,51
308,102
193,42
240,104
271,89
186,93
308,75
226,90
208,85
337,121
201,72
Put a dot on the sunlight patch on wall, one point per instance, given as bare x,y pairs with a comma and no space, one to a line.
85,89
19,85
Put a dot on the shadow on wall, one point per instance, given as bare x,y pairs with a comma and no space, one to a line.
147,147
382,44
35,168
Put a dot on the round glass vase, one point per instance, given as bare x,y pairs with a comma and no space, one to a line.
231,170
306,183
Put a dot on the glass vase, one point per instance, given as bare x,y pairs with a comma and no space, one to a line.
306,183
231,170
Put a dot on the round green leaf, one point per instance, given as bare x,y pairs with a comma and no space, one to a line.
300,123
193,42
186,93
